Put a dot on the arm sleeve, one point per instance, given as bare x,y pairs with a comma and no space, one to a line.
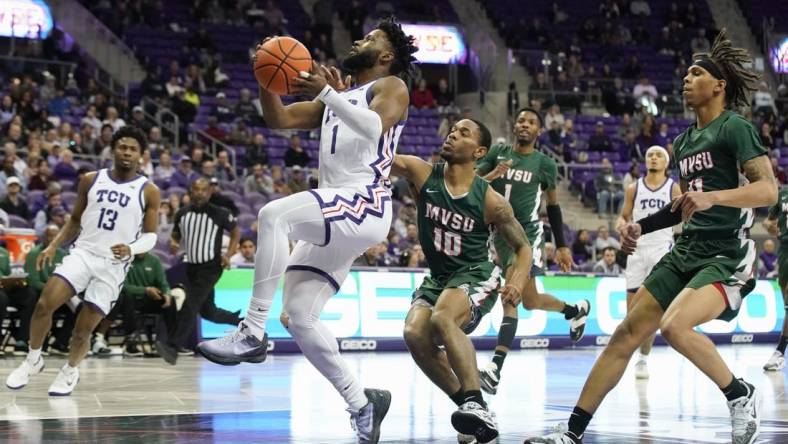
487,163
663,218
143,244
362,121
557,224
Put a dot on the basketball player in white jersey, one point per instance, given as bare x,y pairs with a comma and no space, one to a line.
643,198
334,224
115,217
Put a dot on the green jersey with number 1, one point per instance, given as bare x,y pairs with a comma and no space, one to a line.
710,159
452,231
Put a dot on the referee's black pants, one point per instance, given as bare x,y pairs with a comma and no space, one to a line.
200,280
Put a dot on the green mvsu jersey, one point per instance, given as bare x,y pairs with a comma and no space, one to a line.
780,211
529,176
452,231
710,159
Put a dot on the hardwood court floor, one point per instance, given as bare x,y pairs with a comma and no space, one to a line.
285,400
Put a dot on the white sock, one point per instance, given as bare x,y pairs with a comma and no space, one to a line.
33,354
305,296
642,357
298,216
69,370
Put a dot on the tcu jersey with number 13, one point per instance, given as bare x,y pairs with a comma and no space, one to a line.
113,214
348,160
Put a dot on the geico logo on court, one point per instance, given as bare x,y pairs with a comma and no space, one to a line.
602,340
741,339
271,345
535,343
358,344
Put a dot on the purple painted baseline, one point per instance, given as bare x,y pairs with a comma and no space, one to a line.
523,342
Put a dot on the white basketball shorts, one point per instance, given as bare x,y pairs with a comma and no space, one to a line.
354,221
641,262
101,278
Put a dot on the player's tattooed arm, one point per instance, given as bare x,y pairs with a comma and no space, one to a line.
498,212
414,169
760,192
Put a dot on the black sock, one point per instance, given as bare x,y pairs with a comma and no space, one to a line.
507,331
736,389
458,397
498,358
569,311
475,396
578,422
780,346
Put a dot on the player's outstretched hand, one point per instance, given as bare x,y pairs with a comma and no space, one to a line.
310,83
46,257
334,78
629,237
510,294
691,202
563,257
121,251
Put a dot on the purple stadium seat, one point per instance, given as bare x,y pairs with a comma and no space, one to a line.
246,220
18,222
256,200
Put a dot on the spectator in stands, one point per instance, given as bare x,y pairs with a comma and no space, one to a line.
421,97
375,256
700,43
138,119
589,32
640,36
258,181
297,182
446,124
582,248
629,148
763,102
104,141
295,154
113,119
6,172
13,203
512,101
666,43
15,135
647,135
65,169
7,110
185,175
632,70
689,18
257,152
554,115
202,40
215,131
245,108
632,175
244,258
195,78
224,171
207,169
414,257
222,110
444,98
600,141
617,101
11,153
55,215
155,141
767,261
354,19
87,141
604,240
241,134
663,137
166,217
779,173
766,136
164,171
607,265
608,188
185,110
640,8
173,86
646,89
59,105
41,177
146,164
549,257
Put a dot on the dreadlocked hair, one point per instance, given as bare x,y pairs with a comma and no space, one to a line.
404,47
740,81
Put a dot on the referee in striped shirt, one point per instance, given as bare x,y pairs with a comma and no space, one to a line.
200,226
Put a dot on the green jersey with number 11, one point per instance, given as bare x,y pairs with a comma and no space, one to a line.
710,159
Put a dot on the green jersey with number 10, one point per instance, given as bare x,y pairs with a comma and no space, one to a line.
452,231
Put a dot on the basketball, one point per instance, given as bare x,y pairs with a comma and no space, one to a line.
278,61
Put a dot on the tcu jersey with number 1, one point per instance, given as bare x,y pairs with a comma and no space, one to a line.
648,202
348,160
113,214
